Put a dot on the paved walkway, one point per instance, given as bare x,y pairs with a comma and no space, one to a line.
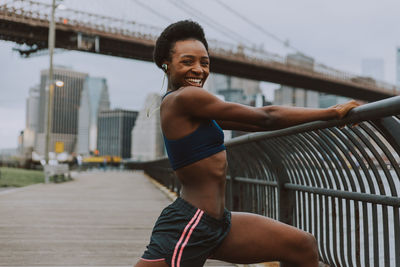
99,219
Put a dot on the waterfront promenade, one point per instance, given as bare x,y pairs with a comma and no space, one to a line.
98,219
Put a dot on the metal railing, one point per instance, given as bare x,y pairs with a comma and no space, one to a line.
340,183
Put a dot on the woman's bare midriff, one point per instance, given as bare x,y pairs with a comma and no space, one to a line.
203,184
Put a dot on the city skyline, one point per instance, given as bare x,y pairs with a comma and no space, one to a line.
334,36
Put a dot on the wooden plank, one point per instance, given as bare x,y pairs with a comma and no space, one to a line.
98,219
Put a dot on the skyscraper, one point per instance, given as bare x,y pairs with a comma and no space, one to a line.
32,117
114,132
66,100
94,99
147,139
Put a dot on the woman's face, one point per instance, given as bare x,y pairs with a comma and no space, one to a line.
190,64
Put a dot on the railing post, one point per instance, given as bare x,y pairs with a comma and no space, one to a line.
286,200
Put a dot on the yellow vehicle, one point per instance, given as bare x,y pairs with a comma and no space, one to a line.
102,159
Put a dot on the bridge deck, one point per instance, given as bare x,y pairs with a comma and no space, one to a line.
99,219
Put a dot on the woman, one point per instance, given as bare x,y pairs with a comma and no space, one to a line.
197,226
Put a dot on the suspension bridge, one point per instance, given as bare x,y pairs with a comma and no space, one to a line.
26,22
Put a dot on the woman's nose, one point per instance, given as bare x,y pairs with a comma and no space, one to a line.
197,69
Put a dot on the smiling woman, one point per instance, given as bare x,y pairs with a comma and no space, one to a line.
197,226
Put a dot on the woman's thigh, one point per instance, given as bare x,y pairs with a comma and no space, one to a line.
254,238
146,263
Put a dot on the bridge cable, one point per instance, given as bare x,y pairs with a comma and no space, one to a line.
153,11
258,27
210,22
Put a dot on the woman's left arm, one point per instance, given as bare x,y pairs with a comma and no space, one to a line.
290,116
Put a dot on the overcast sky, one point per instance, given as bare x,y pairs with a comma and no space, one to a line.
338,33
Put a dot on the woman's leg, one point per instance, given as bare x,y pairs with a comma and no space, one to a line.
147,263
254,238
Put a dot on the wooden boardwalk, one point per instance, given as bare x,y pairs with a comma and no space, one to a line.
98,219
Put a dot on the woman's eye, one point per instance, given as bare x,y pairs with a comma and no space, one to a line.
187,62
205,64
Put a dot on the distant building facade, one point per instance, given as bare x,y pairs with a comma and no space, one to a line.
297,97
31,118
114,132
234,89
327,100
94,98
147,139
65,108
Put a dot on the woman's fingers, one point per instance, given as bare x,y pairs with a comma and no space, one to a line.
343,109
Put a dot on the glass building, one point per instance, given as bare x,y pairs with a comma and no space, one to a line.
147,139
65,108
114,132
32,117
94,98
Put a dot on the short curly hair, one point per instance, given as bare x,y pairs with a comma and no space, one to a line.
178,31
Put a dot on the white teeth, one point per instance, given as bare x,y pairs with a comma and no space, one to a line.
192,80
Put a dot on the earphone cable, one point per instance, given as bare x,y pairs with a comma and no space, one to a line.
148,113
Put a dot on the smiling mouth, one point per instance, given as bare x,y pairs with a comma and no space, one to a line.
194,81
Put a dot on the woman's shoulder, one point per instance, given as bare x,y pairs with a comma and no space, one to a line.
191,92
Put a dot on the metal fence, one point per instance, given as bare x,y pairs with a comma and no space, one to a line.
340,183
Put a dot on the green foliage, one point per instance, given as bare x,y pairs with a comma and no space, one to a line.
19,177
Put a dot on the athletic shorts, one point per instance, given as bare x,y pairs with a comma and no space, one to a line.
185,236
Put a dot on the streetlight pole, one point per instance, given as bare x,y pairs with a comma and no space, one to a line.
51,44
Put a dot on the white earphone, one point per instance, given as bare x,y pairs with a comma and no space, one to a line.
165,67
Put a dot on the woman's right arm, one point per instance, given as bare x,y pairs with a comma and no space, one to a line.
199,103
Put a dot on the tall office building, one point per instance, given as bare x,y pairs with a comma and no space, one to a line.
66,101
114,132
297,97
94,99
234,89
147,139
373,67
31,118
